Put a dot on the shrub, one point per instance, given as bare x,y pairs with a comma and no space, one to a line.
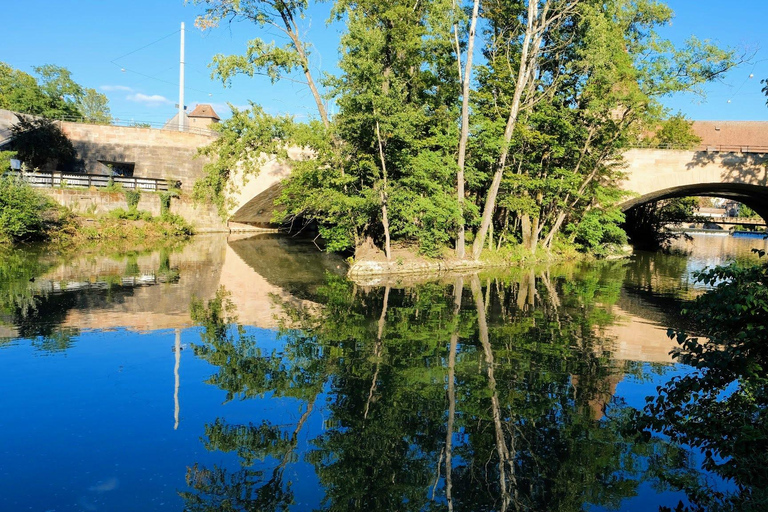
22,211
132,214
132,197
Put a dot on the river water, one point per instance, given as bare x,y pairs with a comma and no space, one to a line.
251,375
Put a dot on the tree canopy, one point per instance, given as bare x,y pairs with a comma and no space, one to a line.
53,94
431,150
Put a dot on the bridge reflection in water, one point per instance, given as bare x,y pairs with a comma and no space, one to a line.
152,291
527,369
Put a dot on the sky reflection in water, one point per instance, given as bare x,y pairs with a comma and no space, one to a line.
331,407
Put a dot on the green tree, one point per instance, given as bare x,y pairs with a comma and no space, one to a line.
93,106
20,92
719,408
675,132
24,213
565,87
261,57
54,94
594,73
63,93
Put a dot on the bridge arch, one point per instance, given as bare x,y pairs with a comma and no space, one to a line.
653,174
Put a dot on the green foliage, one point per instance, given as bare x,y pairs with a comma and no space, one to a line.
676,133
24,213
63,93
5,160
132,198
112,186
746,211
165,200
93,107
720,407
39,141
248,140
130,214
765,89
54,95
599,72
599,231
20,92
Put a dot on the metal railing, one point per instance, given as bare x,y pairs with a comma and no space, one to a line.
723,148
77,179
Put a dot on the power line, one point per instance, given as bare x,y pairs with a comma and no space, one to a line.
145,46
161,80
124,69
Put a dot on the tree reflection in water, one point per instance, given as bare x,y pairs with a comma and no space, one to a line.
495,396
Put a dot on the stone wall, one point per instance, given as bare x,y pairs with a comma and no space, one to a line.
161,154
204,218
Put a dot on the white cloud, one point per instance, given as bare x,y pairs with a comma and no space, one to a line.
149,100
111,88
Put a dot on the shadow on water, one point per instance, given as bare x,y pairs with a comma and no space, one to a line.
296,265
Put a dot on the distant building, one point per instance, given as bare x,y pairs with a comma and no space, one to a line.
202,117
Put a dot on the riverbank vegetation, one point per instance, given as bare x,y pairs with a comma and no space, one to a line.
471,125
719,408
27,215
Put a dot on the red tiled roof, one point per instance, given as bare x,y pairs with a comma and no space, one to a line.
204,111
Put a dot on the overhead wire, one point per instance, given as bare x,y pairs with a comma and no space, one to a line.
145,46
151,77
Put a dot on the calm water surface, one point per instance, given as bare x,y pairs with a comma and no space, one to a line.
251,375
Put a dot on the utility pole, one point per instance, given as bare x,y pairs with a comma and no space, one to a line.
181,81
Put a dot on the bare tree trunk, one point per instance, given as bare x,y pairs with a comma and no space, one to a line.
465,79
383,196
529,53
293,33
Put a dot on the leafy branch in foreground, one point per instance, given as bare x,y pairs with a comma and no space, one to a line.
721,407
249,139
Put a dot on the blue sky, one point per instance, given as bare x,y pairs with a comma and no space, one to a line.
98,39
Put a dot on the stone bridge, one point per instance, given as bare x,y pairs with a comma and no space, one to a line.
146,152
730,163
142,152
654,174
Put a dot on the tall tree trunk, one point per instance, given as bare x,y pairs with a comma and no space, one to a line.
293,33
465,82
383,196
529,53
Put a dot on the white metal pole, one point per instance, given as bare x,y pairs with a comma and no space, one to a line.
181,81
